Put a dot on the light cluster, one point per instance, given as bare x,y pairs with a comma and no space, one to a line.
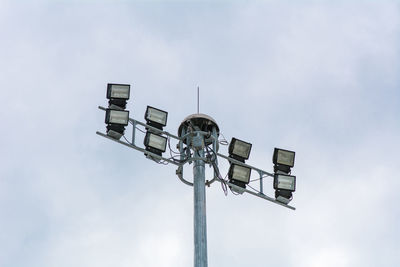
116,115
154,141
239,174
117,118
284,183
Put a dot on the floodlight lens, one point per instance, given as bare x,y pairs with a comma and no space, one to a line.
284,157
118,91
156,141
117,117
240,148
156,115
240,173
285,182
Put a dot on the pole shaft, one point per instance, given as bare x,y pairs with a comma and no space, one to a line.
200,225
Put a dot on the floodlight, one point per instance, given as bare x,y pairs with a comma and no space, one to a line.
118,94
285,182
118,91
156,117
239,175
155,143
239,149
283,157
120,117
283,196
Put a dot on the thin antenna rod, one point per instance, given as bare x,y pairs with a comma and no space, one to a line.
198,99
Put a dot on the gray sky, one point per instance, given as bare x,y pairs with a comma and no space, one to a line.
315,77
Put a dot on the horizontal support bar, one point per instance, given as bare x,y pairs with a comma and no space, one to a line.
140,149
180,164
155,129
261,196
245,165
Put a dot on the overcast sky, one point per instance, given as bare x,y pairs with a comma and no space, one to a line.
316,77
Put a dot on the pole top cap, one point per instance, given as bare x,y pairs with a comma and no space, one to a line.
201,121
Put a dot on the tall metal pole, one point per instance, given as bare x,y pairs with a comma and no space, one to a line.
200,224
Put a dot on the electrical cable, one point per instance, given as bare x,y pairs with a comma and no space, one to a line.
223,181
216,170
163,162
223,142
140,130
258,178
233,192
171,150
215,154
254,189
127,140
137,127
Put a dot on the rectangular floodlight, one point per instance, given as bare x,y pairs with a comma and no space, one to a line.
118,91
156,117
239,149
285,182
120,117
155,143
283,157
239,173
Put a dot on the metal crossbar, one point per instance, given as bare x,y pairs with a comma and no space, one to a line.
180,163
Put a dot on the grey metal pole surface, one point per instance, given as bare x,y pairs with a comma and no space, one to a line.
200,223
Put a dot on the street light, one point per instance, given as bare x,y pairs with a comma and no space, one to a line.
118,94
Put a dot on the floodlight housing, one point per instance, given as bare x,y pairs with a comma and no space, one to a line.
120,117
156,117
239,150
118,91
285,182
283,157
239,175
155,143
283,196
118,94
